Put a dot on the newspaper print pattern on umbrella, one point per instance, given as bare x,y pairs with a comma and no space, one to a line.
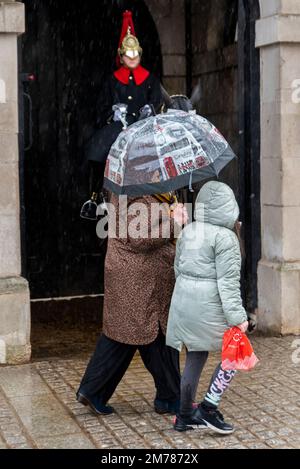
164,153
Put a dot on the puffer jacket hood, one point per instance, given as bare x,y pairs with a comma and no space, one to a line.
216,204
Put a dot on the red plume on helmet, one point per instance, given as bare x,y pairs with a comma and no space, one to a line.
127,21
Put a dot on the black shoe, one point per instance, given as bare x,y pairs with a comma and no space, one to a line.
97,408
215,420
166,407
192,422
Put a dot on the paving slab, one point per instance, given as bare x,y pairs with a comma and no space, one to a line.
38,407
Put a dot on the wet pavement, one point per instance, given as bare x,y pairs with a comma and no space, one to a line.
38,407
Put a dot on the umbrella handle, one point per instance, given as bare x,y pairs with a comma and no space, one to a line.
190,183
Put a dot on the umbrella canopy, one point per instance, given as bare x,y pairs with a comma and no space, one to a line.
165,152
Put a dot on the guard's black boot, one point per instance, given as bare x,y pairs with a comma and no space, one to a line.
215,420
191,422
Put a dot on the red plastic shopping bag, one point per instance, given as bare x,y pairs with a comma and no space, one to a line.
237,351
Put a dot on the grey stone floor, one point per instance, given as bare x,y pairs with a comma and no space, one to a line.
38,409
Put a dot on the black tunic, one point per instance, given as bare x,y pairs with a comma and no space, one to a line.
114,92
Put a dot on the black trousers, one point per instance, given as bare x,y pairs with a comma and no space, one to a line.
111,360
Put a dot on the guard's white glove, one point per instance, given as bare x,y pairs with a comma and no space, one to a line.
120,113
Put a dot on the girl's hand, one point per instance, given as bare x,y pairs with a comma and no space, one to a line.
243,326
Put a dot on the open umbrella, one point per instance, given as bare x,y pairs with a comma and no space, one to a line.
165,152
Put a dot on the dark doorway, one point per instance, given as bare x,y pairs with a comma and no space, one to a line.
249,146
70,46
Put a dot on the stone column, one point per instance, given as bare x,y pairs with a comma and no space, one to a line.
14,292
278,37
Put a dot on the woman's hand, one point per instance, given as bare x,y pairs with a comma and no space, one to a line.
243,326
180,214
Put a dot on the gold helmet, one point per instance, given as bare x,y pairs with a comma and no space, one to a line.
130,46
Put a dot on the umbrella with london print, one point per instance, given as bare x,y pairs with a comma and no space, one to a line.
165,152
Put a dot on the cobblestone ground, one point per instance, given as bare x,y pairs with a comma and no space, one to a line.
38,409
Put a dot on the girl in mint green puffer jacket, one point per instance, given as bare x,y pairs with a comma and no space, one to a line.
206,301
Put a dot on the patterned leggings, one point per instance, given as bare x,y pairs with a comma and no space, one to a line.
220,381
